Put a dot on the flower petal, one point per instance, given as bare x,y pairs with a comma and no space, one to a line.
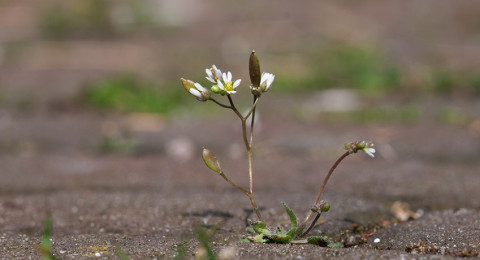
237,83
370,151
209,73
199,87
217,71
225,77
220,85
195,93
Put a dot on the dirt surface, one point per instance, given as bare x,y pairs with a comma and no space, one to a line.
137,182
150,202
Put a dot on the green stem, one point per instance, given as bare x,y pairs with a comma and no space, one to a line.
252,110
220,104
323,186
248,147
311,226
233,184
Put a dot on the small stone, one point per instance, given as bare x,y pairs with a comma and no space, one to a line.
376,240
97,254
181,149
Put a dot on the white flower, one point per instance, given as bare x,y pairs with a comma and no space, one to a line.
228,86
370,151
213,74
266,81
201,93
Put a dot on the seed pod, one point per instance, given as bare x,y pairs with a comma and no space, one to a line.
210,160
254,69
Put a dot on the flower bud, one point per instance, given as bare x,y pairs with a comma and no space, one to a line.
187,84
365,146
254,69
325,207
210,160
215,89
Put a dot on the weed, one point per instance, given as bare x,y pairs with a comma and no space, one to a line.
261,83
127,93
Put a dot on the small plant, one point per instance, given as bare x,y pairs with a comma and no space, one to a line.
128,93
223,85
45,248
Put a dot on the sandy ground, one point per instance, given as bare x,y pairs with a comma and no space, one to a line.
150,202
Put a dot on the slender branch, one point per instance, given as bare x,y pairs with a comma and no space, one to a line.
244,125
220,104
252,111
255,100
248,147
233,184
232,106
249,195
252,200
311,225
323,186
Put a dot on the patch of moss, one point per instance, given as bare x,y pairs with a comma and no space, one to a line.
127,93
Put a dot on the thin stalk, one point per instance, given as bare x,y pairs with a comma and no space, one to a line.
220,104
323,186
311,225
243,119
255,99
232,106
249,195
248,147
233,184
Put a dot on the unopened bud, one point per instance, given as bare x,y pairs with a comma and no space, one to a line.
325,207
210,160
215,89
254,69
187,84
365,146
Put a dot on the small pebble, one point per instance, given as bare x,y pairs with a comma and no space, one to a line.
97,254
377,240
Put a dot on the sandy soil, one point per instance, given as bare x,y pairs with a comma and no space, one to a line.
150,202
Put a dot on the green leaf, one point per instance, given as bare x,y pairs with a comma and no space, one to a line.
46,248
204,239
293,221
122,255
251,230
300,231
319,241
260,228
334,245
260,238
278,238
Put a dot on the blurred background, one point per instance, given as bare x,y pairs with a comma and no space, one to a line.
93,77
96,127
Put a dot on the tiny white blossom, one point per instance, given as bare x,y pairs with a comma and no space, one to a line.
266,81
228,86
370,151
201,93
213,74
